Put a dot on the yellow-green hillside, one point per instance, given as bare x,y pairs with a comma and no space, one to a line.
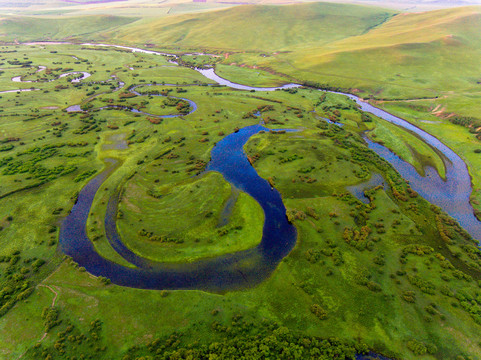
385,54
27,28
411,54
263,28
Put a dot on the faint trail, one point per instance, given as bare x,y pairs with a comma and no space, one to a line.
52,290
53,304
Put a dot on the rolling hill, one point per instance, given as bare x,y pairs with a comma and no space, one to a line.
262,28
412,51
27,28
384,53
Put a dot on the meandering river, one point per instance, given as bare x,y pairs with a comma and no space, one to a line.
232,271
451,194
250,267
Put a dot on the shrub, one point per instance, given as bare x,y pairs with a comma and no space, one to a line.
319,312
409,296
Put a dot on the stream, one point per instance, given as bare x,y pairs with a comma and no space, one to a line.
250,267
221,273
226,272
451,194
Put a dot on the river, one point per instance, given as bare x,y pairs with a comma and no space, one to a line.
226,272
451,194
250,267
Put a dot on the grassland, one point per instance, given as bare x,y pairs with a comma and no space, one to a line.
334,283
184,219
395,275
252,77
22,28
335,44
314,23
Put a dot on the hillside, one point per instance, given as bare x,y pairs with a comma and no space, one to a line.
26,28
426,50
262,28
407,55
423,54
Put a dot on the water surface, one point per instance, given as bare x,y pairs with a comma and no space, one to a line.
226,272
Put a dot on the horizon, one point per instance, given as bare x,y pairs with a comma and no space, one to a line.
154,8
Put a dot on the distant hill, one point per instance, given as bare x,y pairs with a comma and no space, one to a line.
383,52
118,7
264,28
26,28
437,49
387,54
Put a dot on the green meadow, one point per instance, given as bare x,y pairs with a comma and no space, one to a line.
395,275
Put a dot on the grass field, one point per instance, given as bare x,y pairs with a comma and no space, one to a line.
313,23
395,274
22,28
252,77
162,199
187,216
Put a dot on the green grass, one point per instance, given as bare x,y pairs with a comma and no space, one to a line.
416,52
252,77
359,283
34,28
199,60
302,26
187,215
354,308
311,159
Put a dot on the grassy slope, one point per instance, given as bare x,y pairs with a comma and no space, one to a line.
24,28
295,26
328,43
422,55
333,43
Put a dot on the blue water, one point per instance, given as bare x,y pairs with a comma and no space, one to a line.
210,74
250,267
451,194
227,272
371,356
359,189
